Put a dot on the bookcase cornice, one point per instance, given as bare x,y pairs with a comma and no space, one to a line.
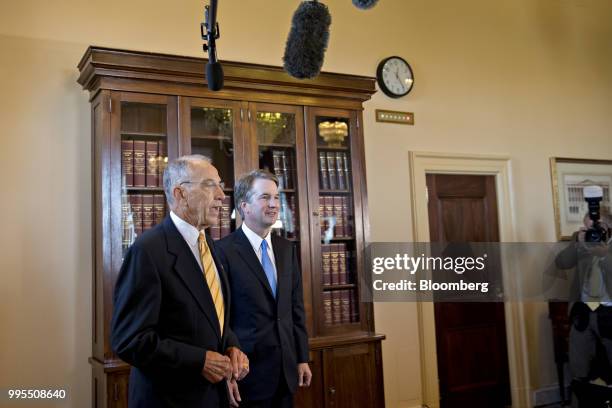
99,63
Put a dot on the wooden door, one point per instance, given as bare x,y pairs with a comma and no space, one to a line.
310,397
353,376
471,337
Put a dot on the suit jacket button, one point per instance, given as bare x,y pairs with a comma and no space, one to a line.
278,319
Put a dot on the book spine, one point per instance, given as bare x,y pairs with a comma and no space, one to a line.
278,170
329,214
139,163
336,307
347,216
225,216
136,207
323,176
345,297
340,172
294,233
162,161
215,229
347,172
331,170
322,215
327,308
151,177
127,162
126,223
286,168
326,264
148,211
354,306
343,274
340,217
159,203
334,259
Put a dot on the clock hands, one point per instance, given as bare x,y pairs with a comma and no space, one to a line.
399,79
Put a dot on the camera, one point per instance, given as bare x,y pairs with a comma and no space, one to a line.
598,232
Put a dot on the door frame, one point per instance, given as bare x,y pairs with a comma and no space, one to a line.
422,163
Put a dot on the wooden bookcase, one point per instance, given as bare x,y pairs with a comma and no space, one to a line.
148,108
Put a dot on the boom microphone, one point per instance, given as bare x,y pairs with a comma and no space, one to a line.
214,71
307,40
365,4
214,76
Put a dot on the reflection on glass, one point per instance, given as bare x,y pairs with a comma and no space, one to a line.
276,139
275,128
212,136
211,122
332,132
287,223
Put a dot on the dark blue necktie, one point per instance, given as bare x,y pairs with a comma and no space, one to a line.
268,267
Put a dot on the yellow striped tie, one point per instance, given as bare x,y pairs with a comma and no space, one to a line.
211,278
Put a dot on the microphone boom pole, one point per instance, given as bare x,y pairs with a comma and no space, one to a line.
214,71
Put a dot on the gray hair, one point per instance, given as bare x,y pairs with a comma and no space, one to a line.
179,171
243,189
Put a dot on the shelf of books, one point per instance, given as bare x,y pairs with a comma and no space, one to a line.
144,156
339,294
276,141
212,135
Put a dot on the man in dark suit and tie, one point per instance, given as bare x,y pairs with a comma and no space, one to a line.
172,301
267,301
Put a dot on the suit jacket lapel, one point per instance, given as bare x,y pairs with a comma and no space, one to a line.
245,249
189,271
283,289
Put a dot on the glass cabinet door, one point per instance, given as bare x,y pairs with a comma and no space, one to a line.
277,145
276,138
145,126
212,128
338,232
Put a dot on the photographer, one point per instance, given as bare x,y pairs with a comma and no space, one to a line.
590,253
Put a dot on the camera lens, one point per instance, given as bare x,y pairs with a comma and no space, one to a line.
593,235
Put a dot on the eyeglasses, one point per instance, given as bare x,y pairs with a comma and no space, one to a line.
210,184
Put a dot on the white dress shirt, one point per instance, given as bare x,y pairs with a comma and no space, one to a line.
255,241
191,234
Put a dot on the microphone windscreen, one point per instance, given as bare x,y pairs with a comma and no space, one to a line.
307,40
214,76
365,4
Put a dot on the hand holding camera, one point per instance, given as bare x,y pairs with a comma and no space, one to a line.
595,233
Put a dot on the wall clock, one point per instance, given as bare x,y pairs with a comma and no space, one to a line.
394,77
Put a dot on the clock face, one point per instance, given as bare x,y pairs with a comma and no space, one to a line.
394,77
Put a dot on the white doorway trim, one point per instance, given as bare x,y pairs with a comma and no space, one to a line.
422,163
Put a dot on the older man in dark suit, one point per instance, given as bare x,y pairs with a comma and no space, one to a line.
172,301
267,303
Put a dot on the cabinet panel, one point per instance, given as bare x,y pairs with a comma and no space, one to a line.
353,376
117,391
310,397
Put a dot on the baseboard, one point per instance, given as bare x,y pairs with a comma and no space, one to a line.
548,395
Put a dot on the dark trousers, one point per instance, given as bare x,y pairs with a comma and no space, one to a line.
590,343
282,398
